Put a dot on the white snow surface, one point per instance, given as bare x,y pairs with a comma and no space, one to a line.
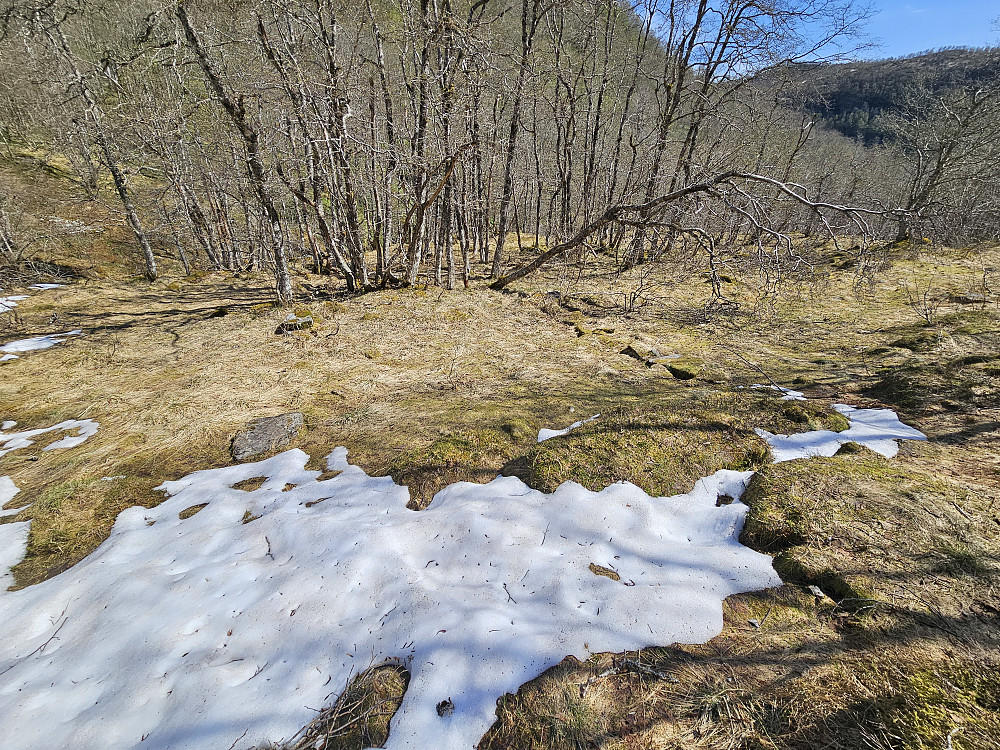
13,544
213,633
46,286
787,393
85,428
545,433
37,342
7,492
8,425
876,429
9,303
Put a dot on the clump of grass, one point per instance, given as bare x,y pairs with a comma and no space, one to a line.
941,704
959,558
472,455
664,442
361,715
191,510
251,484
566,707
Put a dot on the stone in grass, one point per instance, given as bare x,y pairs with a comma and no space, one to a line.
640,351
300,320
684,369
266,434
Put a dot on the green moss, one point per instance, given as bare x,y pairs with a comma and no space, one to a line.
662,450
919,384
945,705
777,519
519,430
684,368
473,455
923,340
814,416
798,565
970,322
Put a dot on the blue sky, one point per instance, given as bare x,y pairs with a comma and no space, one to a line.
906,26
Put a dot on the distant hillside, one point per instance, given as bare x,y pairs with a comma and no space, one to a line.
849,97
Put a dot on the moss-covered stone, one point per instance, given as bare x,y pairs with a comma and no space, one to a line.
922,340
519,430
295,322
685,368
777,519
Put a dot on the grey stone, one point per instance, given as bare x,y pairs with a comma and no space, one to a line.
266,434
294,323
638,350
971,299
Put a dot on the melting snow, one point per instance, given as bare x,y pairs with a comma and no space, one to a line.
9,303
13,544
12,441
38,342
877,429
7,492
788,393
13,536
545,434
193,633
216,632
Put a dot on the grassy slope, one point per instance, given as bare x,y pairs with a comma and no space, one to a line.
432,387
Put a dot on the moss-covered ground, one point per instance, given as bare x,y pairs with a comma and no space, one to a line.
885,633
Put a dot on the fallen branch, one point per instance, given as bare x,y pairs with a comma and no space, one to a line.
619,214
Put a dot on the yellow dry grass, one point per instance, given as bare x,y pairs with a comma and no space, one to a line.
434,386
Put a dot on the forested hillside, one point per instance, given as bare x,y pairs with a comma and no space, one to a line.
855,98
508,374
386,144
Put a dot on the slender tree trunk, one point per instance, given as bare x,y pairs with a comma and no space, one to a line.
236,110
93,111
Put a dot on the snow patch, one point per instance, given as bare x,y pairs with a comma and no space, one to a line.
210,632
876,429
545,433
46,286
85,428
9,303
38,342
788,393
7,492
13,545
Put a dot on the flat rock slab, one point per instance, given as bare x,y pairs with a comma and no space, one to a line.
266,434
294,323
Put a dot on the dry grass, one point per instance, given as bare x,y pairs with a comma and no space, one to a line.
361,714
434,387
